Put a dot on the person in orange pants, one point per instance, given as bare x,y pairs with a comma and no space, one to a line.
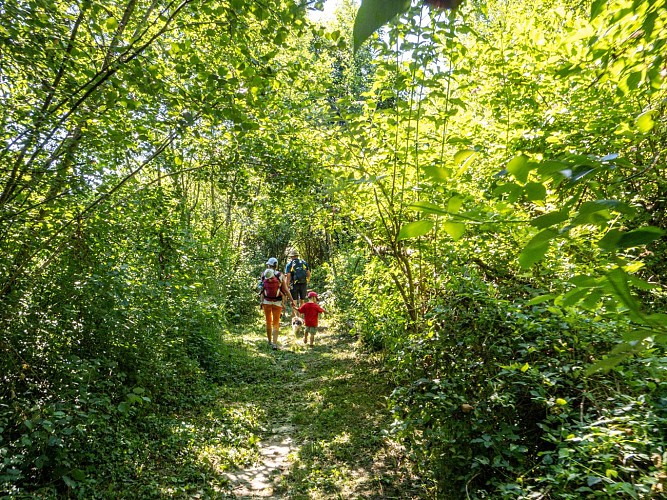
274,292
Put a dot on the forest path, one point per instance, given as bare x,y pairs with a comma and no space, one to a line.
322,411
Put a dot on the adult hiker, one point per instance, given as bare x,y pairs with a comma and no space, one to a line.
297,276
274,292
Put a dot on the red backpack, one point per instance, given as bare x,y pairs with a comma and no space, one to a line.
271,288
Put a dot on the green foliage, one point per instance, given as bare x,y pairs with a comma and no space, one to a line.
372,15
89,429
122,212
492,400
367,301
481,193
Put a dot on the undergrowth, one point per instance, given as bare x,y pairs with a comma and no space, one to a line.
492,398
92,435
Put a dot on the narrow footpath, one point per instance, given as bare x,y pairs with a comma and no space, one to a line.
322,412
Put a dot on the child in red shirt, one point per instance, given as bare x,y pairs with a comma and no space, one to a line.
310,311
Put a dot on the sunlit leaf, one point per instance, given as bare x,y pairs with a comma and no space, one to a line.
454,204
373,14
454,229
439,174
646,121
415,229
596,8
428,208
546,220
519,168
463,156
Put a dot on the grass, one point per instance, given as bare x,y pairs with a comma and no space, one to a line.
333,400
329,401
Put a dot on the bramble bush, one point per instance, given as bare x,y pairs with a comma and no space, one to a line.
492,401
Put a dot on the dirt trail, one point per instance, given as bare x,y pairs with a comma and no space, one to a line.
324,410
259,481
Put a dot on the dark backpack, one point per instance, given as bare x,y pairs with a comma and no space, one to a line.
271,288
298,270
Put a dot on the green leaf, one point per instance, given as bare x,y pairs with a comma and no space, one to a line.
535,191
519,167
605,364
640,237
78,474
373,14
597,205
513,191
542,237
530,256
540,299
415,229
428,208
546,169
69,482
646,121
438,174
550,219
111,24
609,241
597,211
582,280
572,297
618,280
591,301
463,156
454,204
596,8
454,229
619,240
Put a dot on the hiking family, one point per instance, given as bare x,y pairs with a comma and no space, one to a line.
277,288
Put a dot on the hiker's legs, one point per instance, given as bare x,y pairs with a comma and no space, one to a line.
299,292
275,323
268,317
311,330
